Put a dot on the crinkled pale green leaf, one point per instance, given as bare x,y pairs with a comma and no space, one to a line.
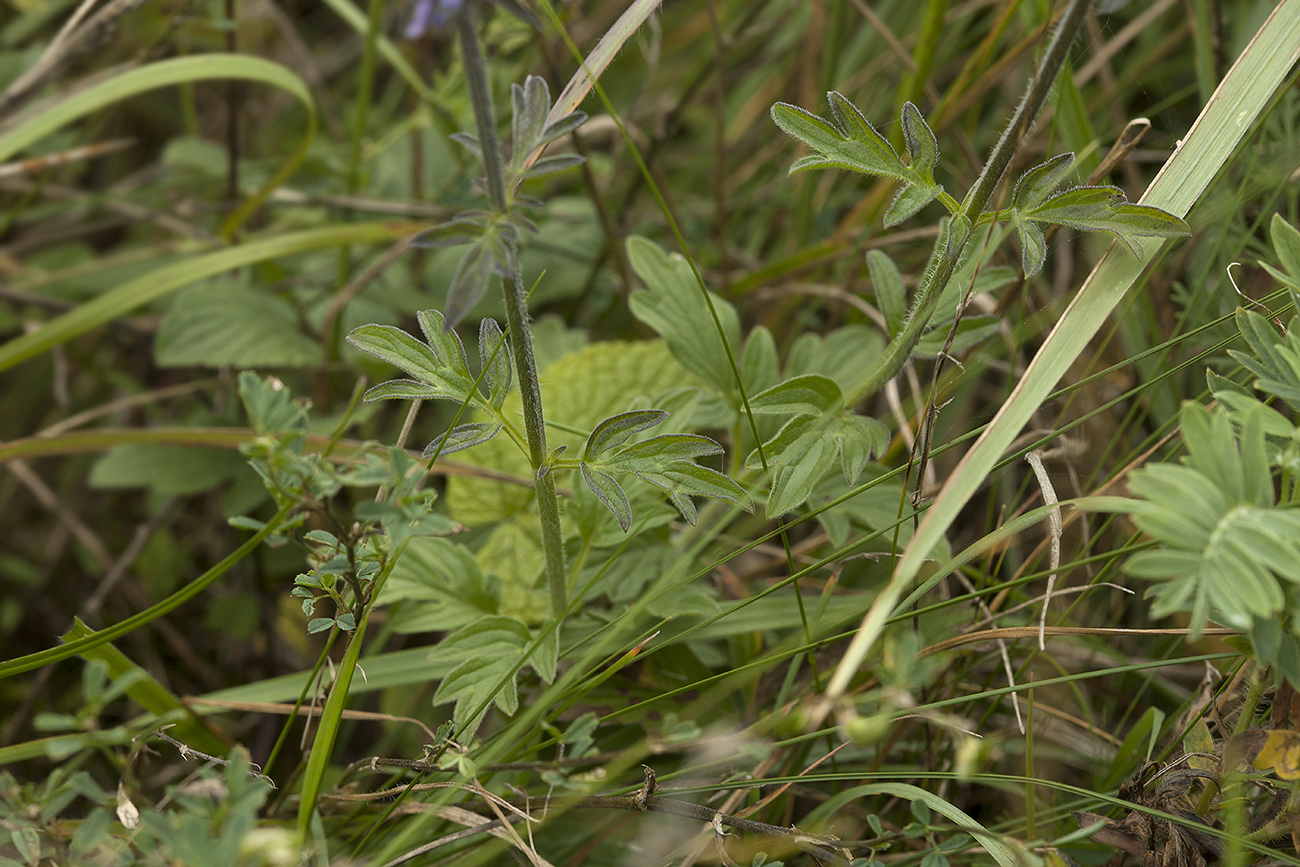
442,585
673,306
616,430
809,394
580,389
891,294
229,323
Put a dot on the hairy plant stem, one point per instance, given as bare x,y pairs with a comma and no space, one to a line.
950,244
521,340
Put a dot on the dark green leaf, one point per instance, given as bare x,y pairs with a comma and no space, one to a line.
1033,246
227,323
970,331
1035,185
552,165
810,394
673,305
610,492
462,436
857,148
462,229
613,432
891,294
922,146
532,103
485,257
909,200
495,358
1286,243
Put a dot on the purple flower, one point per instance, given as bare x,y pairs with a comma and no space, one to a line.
429,14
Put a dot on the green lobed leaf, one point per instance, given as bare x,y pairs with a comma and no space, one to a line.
857,439
759,368
472,686
803,454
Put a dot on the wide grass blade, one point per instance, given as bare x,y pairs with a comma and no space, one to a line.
161,281
1244,93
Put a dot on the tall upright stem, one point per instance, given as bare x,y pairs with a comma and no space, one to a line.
521,340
